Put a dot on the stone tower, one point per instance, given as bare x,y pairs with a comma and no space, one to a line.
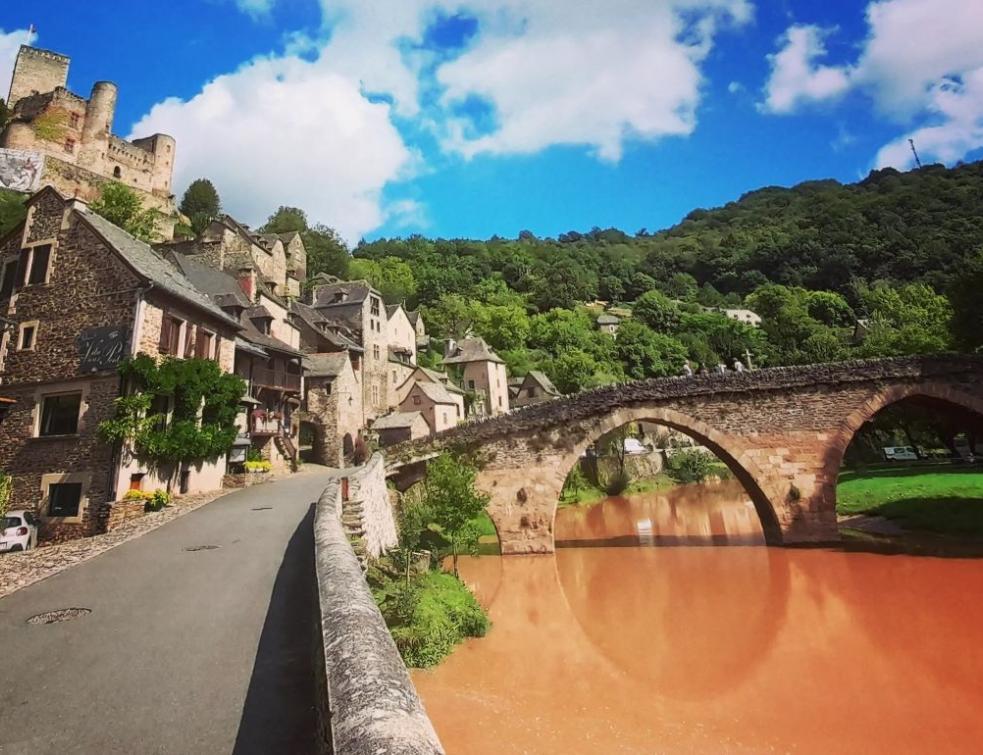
36,72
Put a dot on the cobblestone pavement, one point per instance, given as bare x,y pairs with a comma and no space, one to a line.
19,570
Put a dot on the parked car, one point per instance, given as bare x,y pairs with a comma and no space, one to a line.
900,453
18,531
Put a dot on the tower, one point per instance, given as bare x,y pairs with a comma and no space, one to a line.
36,71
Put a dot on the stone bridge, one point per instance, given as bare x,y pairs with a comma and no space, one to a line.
781,431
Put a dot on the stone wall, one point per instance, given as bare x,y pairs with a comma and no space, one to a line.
367,486
36,71
781,431
372,706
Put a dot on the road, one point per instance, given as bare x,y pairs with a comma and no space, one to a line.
184,651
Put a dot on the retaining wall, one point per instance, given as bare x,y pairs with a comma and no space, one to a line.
369,703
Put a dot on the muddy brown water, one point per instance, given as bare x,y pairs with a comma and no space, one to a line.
712,649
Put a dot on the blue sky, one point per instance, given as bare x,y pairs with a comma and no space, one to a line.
482,117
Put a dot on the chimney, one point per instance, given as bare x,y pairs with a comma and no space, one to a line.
247,281
450,347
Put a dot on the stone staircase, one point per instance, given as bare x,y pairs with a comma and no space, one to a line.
353,521
287,448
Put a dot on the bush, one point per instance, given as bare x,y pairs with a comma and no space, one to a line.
153,500
258,466
690,465
429,615
618,483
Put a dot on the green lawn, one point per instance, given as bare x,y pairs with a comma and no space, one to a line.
589,494
939,498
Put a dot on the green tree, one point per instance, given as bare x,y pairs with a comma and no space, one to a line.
645,353
392,277
830,308
967,314
12,210
658,311
200,204
285,220
908,319
326,252
452,503
121,206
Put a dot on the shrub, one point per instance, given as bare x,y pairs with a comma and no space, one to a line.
258,466
429,616
617,484
153,500
690,465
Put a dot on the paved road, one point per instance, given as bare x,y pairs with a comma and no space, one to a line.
206,651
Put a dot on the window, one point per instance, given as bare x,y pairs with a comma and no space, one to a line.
499,402
64,498
74,118
203,344
416,401
394,377
374,306
28,336
69,146
40,255
375,394
189,344
136,481
375,351
471,385
170,335
60,414
444,415
117,173
9,276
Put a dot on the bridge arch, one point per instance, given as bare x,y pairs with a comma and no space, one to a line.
883,398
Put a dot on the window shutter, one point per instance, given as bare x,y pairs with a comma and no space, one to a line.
21,269
166,326
189,348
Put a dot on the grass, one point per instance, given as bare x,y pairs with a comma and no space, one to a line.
590,494
429,616
944,499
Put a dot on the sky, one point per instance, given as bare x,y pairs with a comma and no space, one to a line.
473,118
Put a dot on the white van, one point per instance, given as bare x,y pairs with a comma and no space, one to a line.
900,453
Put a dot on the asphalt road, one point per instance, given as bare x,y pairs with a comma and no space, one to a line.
201,651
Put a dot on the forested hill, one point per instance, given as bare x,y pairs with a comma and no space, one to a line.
920,226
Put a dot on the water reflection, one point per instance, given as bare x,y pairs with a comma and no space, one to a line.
714,649
713,513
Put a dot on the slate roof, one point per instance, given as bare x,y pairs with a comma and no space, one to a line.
326,293
391,310
544,382
436,392
222,287
606,319
257,311
322,325
413,316
472,350
395,421
325,365
152,266
441,377
244,345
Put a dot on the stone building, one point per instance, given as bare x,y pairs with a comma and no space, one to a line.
83,294
399,427
608,324
534,388
267,357
278,262
483,374
440,408
74,138
333,406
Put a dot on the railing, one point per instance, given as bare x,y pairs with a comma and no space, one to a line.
267,426
280,379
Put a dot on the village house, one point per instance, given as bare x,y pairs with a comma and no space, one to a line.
332,407
483,374
82,295
534,388
60,139
399,427
608,324
267,356
439,407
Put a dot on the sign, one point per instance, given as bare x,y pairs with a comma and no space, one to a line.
20,170
102,348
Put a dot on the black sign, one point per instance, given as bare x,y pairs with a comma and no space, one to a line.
102,348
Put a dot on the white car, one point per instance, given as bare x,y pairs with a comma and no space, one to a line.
18,531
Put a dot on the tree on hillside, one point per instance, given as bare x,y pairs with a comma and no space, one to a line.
200,204
658,311
967,315
909,319
645,353
121,206
326,250
392,277
286,219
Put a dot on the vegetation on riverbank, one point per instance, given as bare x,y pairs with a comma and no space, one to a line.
427,610
944,499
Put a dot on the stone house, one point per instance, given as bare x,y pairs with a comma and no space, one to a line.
74,139
358,308
266,262
400,426
439,407
267,356
608,324
83,294
333,406
425,375
534,388
483,374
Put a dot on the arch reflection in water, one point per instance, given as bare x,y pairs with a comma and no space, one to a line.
709,513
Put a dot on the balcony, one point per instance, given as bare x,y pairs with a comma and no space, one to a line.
280,380
265,425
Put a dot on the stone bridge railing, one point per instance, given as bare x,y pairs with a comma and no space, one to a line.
578,406
369,704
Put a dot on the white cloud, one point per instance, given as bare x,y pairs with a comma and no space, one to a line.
595,74
10,43
255,8
796,78
920,63
286,131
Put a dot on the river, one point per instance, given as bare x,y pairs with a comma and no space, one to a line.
708,648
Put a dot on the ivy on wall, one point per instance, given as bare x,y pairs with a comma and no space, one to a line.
175,410
51,126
